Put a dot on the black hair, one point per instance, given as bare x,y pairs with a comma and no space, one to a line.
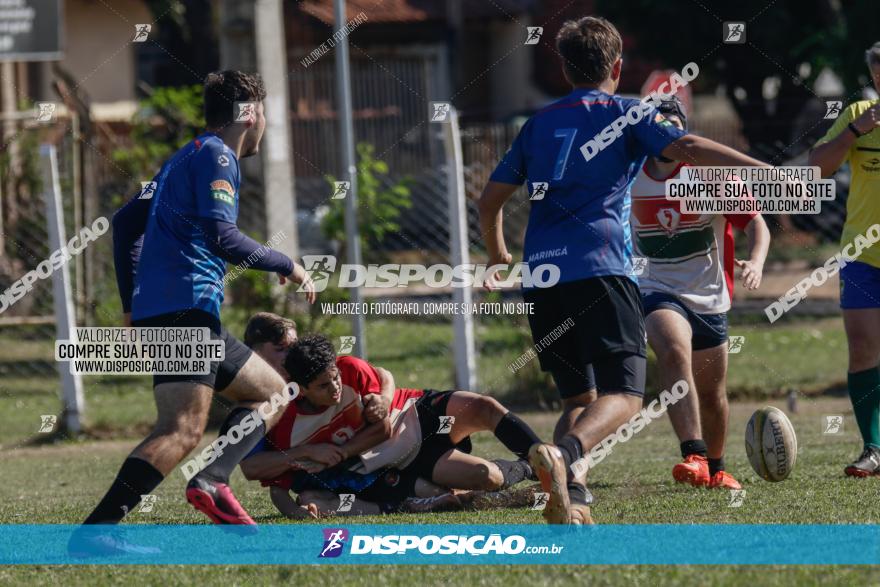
308,357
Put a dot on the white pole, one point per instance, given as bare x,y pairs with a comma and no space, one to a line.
62,298
346,144
463,322
277,170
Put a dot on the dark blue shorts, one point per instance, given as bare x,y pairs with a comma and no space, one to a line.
709,330
859,286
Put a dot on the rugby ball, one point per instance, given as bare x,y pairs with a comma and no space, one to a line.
771,444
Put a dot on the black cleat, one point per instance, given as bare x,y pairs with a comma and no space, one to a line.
867,465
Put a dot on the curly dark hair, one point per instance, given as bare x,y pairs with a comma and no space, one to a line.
308,357
224,88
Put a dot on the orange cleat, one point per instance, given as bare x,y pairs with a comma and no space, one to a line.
693,470
723,479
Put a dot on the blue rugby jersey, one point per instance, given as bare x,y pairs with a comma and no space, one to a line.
580,201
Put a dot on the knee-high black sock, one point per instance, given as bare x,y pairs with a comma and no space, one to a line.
513,471
136,477
571,450
234,452
516,435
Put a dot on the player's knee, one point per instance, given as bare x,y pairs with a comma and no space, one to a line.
187,437
863,351
579,401
675,354
488,411
494,478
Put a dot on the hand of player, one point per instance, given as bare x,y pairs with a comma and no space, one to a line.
375,408
751,273
300,276
869,119
491,281
327,454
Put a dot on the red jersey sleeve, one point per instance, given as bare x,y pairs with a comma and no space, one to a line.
740,221
359,375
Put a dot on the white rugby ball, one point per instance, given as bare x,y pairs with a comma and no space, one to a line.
771,444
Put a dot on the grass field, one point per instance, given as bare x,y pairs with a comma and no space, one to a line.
60,483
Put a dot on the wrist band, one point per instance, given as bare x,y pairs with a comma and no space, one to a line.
854,130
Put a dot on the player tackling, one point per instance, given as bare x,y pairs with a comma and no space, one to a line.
582,225
170,252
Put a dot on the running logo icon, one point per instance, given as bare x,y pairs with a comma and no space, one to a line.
534,34
44,111
446,423
737,496
47,423
147,503
141,32
340,190
540,500
639,264
346,344
334,541
148,188
539,190
735,33
832,108
439,111
735,344
319,268
833,424
346,500
246,112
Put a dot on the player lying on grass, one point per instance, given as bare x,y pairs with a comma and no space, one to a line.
687,287
351,431
171,245
854,138
581,224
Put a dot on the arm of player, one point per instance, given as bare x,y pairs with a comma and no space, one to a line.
366,438
284,503
491,206
759,243
233,246
129,224
702,151
266,465
377,405
830,154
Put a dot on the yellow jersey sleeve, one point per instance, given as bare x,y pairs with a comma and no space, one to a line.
839,126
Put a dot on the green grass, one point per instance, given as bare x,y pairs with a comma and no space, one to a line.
633,485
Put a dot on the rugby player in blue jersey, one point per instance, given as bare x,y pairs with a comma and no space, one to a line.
581,224
171,246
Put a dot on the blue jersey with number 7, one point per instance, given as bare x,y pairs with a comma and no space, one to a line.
579,158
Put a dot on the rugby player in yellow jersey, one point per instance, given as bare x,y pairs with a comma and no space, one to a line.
854,139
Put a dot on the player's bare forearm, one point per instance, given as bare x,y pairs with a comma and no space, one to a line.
759,239
490,206
368,437
829,156
380,404
701,151
269,465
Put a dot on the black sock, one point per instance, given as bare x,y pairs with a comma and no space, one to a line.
693,447
571,450
516,435
577,493
512,471
225,464
716,465
136,477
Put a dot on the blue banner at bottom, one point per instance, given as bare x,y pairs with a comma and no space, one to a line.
336,543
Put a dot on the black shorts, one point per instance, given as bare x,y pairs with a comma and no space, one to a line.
590,334
222,372
431,408
709,330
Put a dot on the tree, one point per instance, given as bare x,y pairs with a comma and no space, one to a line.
769,79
